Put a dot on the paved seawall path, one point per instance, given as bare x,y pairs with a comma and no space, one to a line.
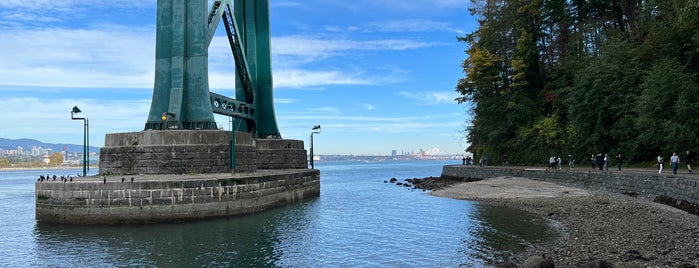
607,219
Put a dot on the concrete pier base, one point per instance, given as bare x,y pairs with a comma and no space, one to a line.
179,175
170,198
194,152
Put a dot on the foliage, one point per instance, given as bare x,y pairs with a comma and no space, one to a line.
4,163
557,77
56,159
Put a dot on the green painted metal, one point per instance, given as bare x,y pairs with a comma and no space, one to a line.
181,91
253,18
181,86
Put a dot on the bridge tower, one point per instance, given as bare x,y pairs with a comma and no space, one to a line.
181,97
181,134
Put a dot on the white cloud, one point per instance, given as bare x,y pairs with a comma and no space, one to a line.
119,57
77,58
319,47
411,26
67,4
367,106
417,5
297,78
431,97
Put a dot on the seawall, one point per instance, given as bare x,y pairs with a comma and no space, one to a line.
644,184
169,198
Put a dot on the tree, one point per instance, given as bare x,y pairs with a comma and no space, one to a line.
550,77
4,163
56,159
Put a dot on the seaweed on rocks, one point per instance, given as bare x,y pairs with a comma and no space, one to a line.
679,204
432,183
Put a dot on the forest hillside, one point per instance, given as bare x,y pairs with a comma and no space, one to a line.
579,77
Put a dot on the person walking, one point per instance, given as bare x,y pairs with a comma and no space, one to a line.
600,161
571,161
606,162
592,160
552,162
661,160
558,161
619,161
675,161
689,159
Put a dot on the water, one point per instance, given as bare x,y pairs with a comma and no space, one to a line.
358,221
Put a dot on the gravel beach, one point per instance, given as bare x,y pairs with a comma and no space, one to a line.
599,229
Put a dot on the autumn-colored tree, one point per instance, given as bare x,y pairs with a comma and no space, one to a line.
56,159
559,77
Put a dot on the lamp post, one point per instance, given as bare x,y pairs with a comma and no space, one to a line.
166,118
86,136
314,130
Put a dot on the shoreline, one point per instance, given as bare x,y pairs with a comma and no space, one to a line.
44,168
599,228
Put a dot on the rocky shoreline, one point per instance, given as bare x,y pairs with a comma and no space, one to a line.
599,229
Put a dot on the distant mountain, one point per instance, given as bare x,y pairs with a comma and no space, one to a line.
28,143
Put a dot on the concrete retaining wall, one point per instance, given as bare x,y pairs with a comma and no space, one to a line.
645,185
168,198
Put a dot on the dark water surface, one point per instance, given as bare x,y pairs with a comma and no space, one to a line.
358,221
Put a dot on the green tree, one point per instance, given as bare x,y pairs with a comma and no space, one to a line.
667,110
557,77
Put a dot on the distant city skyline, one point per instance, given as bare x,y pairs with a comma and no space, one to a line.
376,75
37,150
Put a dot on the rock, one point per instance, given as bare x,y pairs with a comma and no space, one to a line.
597,264
539,261
393,180
507,264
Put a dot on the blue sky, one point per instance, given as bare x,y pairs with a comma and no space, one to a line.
377,75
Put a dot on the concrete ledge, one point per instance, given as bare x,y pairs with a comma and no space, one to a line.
170,198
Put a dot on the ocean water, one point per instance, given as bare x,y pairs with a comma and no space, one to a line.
358,221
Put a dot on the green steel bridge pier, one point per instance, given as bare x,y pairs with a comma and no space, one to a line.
181,166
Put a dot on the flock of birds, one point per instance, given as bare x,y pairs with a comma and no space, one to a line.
69,178
54,177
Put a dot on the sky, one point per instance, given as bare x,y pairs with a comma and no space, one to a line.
377,75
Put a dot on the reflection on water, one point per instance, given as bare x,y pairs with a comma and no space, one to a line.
503,232
357,221
215,243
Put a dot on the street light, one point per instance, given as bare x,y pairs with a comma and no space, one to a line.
314,130
86,136
166,117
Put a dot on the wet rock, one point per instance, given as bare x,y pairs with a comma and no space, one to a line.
597,264
393,180
539,261
506,265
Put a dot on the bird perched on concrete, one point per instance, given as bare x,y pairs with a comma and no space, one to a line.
122,180
131,179
71,178
105,179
